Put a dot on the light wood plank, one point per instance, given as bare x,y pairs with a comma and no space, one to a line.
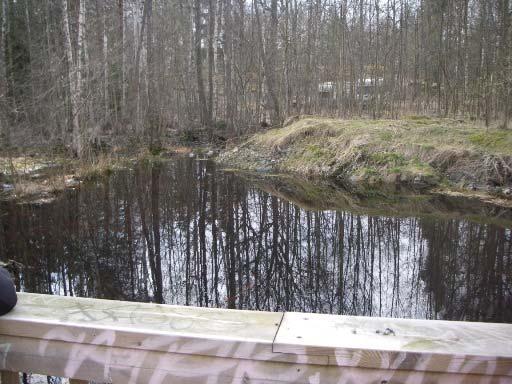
423,345
121,365
209,331
8,377
122,342
148,318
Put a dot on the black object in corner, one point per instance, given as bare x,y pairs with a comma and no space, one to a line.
8,297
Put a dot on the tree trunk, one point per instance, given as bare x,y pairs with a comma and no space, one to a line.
4,126
268,54
122,61
228,57
72,78
505,57
152,115
106,100
199,63
80,78
272,61
32,107
138,113
211,60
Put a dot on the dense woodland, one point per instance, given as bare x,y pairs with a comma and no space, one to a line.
73,72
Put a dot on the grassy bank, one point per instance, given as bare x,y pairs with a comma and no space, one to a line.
39,176
417,151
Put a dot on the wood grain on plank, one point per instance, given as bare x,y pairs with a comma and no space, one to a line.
147,317
423,345
218,332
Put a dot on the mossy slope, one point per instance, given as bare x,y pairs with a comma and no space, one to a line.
415,150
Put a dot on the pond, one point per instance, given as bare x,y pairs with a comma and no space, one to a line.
186,232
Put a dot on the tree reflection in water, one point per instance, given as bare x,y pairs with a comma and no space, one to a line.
185,233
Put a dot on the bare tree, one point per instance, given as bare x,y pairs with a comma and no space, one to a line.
151,65
72,80
268,52
198,41
4,125
211,60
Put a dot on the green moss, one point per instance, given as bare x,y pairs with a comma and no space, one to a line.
391,159
368,171
495,140
421,120
316,151
418,118
427,147
386,136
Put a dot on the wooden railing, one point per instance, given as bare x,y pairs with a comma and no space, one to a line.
124,342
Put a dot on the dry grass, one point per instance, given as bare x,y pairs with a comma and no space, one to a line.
96,167
279,139
38,176
414,147
35,178
422,131
26,188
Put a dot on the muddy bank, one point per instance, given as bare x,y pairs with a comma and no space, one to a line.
418,152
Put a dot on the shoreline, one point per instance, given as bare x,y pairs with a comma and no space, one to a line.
32,177
475,163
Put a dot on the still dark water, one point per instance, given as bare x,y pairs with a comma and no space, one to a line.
187,233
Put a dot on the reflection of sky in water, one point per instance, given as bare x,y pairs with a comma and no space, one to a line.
270,254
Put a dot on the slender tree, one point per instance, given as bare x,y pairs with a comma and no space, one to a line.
198,41
4,125
72,80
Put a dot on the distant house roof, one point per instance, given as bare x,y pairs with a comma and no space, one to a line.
371,81
330,86
327,86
